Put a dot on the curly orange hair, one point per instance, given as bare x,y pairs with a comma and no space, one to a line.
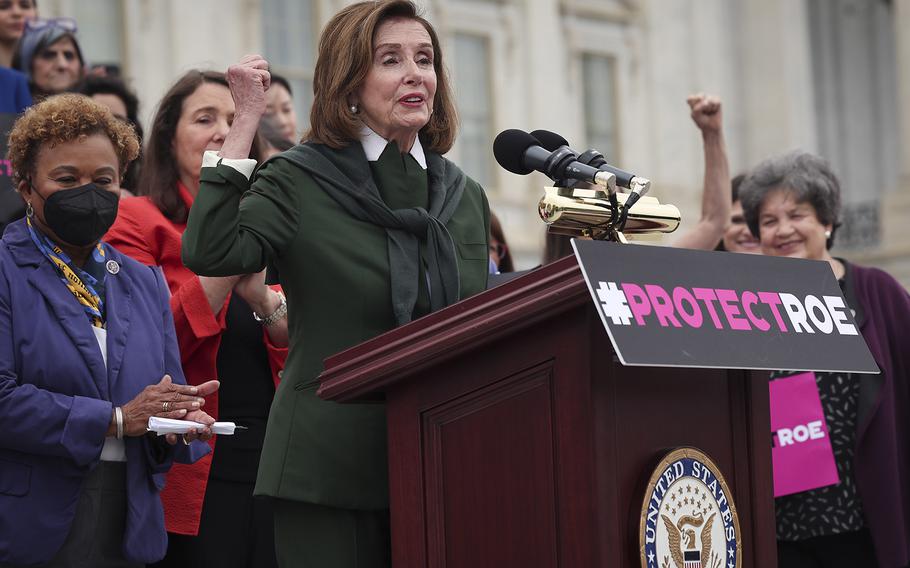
64,118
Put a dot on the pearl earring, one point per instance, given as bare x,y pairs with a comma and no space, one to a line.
827,234
354,109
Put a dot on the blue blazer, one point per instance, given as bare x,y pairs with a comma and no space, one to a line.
56,398
15,96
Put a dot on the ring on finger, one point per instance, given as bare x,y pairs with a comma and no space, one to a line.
166,405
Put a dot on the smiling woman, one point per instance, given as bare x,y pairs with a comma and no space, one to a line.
792,202
370,227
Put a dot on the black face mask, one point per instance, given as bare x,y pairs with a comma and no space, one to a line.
80,216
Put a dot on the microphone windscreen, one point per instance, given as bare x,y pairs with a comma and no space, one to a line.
549,140
509,148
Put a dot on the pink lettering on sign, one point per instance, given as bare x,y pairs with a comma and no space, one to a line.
727,309
802,458
707,296
749,300
773,301
663,305
687,307
730,304
638,301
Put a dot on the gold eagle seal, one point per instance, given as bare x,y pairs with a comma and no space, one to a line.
688,518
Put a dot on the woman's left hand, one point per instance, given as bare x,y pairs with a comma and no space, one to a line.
204,434
264,301
253,290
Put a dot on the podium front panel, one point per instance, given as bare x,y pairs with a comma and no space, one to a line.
534,451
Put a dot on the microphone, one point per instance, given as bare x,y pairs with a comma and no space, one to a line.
520,153
551,141
638,185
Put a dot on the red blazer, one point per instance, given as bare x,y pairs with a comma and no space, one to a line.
144,233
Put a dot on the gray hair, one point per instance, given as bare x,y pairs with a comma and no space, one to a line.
807,177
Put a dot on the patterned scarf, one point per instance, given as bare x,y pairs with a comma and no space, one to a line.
86,284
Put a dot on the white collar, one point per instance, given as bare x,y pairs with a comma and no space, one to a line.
374,144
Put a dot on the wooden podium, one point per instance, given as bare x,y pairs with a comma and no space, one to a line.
516,439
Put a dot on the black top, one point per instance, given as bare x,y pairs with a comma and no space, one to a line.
837,508
245,394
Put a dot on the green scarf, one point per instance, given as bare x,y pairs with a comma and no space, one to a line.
346,177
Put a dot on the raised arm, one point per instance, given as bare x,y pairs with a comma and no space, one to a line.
248,80
223,237
716,200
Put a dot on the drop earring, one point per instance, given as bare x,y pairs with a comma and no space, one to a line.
29,210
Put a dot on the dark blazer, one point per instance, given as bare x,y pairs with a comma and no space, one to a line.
56,398
335,271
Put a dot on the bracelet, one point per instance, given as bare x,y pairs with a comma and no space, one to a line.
273,318
118,419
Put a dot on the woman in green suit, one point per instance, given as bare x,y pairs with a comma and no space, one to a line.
369,228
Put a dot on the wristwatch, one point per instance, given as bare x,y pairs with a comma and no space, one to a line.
273,318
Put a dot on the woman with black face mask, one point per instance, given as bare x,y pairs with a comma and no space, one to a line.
87,354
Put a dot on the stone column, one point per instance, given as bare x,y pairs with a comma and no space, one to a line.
894,255
777,79
168,37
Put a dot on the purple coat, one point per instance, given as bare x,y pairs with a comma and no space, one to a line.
56,398
882,458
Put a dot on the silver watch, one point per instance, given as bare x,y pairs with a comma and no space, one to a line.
273,318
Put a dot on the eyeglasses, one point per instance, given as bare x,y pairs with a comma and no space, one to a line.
67,24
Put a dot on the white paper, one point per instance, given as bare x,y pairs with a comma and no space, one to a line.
162,426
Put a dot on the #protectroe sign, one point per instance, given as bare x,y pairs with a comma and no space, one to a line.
685,308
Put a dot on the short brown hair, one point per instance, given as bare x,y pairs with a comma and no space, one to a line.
64,118
344,60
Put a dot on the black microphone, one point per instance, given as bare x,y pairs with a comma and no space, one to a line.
520,153
552,141
593,158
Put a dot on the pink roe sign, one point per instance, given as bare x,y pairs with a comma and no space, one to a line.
802,456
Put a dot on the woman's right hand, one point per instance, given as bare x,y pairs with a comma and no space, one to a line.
249,80
165,399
